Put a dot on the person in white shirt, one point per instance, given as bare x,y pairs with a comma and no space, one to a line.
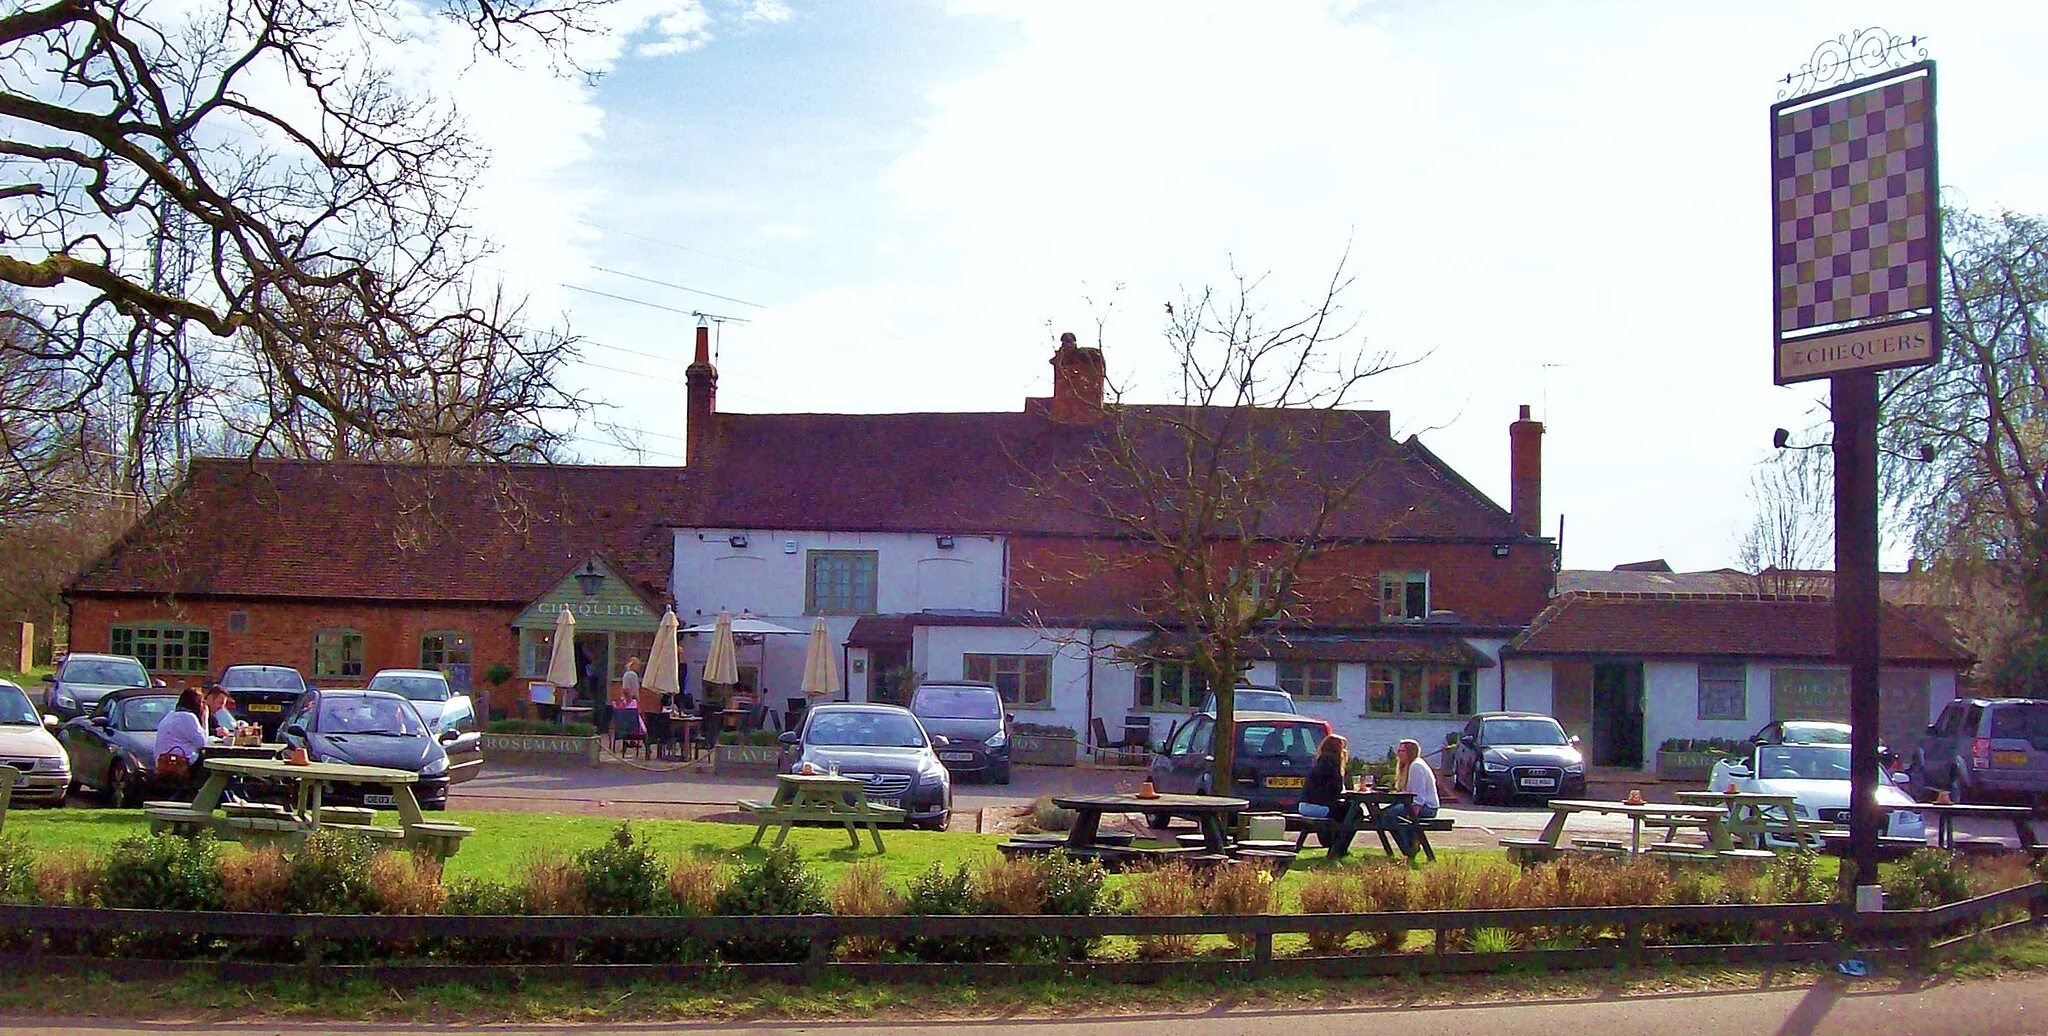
180,733
1412,775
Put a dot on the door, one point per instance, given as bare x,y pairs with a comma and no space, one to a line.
1191,766
466,748
593,667
1938,749
890,672
1618,714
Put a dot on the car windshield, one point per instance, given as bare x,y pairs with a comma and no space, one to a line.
1816,734
417,688
957,703
1802,763
1522,732
144,713
368,714
877,729
104,672
263,680
15,709
1278,740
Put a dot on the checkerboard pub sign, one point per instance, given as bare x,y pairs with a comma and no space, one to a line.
1858,227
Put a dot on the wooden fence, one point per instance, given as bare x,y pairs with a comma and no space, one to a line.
1897,936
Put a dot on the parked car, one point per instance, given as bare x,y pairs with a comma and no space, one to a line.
444,710
1255,699
1271,760
1501,755
884,747
27,745
1981,749
972,719
112,749
81,680
370,728
261,693
1817,778
1814,732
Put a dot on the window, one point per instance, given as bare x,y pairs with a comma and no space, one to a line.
1308,679
1724,692
1404,690
536,647
839,582
337,653
1404,596
1170,685
1021,679
164,649
627,646
441,650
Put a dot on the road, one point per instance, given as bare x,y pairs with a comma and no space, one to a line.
2012,1007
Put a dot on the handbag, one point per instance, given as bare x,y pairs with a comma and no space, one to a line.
173,766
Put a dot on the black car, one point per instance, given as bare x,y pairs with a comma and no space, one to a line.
261,693
1501,755
971,718
884,747
1273,755
370,728
112,748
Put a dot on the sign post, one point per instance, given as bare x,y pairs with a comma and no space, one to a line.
1856,286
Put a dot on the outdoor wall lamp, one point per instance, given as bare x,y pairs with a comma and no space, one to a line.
590,579
1500,550
738,540
945,542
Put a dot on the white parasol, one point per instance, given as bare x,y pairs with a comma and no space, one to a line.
821,676
562,661
662,668
722,665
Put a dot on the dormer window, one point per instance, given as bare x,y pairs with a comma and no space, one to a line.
1404,596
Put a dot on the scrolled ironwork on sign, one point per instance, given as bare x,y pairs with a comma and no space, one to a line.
1850,57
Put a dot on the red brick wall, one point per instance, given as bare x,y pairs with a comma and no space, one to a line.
282,633
1339,586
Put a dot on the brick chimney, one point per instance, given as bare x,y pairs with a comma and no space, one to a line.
701,401
1077,381
1525,474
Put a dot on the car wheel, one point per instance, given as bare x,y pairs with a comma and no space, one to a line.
1479,795
1003,775
121,790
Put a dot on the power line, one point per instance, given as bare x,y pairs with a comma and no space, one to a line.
698,313
678,287
695,251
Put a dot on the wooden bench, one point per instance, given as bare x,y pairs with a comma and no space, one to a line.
1527,852
1601,844
1328,829
347,816
255,809
178,819
257,832
436,838
788,816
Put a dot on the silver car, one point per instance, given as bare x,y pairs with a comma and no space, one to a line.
81,680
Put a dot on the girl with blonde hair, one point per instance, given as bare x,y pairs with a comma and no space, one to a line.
1413,775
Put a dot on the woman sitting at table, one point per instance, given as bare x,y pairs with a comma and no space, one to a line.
1324,789
1412,775
181,742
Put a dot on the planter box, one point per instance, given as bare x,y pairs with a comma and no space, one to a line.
1043,750
1687,766
745,760
542,748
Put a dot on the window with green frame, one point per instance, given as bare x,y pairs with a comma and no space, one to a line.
338,653
164,648
1411,690
1170,685
839,582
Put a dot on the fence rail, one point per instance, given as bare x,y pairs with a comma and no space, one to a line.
1908,935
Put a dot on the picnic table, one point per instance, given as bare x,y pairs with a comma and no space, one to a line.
1211,814
1366,810
1710,819
823,799
1753,817
1945,814
291,825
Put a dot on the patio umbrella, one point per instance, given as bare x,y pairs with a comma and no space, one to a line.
662,669
821,677
722,665
562,661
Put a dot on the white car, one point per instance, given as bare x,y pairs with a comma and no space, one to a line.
43,770
1817,778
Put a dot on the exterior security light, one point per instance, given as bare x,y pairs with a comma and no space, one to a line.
738,540
945,543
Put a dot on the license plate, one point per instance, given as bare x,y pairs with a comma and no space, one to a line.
375,799
893,802
1539,782
266,708
957,757
1283,782
2009,758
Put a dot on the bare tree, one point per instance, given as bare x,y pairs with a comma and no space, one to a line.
1979,507
320,194
1791,534
1215,506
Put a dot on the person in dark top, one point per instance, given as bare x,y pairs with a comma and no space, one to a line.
1324,788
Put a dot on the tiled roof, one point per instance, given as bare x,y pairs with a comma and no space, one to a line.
378,531
987,472
1424,649
1709,625
1907,588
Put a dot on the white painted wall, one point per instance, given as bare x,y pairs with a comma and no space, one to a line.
1529,686
766,576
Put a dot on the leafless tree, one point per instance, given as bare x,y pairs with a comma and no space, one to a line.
1979,508
245,194
1791,534
1217,504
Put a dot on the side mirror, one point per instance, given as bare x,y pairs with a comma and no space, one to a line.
158,683
789,737
940,740
295,730
52,678
1011,717
450,734
1158,748
50,721
1574,739
100,721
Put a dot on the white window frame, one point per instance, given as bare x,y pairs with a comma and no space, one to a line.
1722,679
1394,594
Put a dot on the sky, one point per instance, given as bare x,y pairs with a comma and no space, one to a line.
899,206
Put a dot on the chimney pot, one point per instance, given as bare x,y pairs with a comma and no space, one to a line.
1525,411
700,401
1078,374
